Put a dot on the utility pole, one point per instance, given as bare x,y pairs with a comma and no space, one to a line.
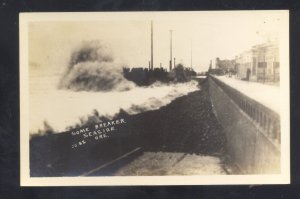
171,49
191,55
174,62
151,45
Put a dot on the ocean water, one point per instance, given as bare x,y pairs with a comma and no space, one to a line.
61,108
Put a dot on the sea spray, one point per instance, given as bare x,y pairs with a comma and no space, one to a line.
92,68
62,109
89,91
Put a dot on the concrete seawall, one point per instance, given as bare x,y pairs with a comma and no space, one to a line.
252,131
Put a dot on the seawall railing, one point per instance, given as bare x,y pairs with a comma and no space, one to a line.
252,130
264,118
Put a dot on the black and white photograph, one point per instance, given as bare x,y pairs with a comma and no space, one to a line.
154,98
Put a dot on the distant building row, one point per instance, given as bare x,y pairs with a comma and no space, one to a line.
260,63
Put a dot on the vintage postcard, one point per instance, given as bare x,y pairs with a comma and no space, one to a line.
154,98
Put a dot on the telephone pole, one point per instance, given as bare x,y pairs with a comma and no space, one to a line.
174,62
151,45
191,55
171,49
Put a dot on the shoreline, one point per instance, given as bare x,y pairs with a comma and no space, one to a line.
185,125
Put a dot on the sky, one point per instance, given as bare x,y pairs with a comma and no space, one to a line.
202,35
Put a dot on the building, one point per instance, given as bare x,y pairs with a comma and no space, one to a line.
226,65
244,63
260,63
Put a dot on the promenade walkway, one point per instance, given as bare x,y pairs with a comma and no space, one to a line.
268,95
